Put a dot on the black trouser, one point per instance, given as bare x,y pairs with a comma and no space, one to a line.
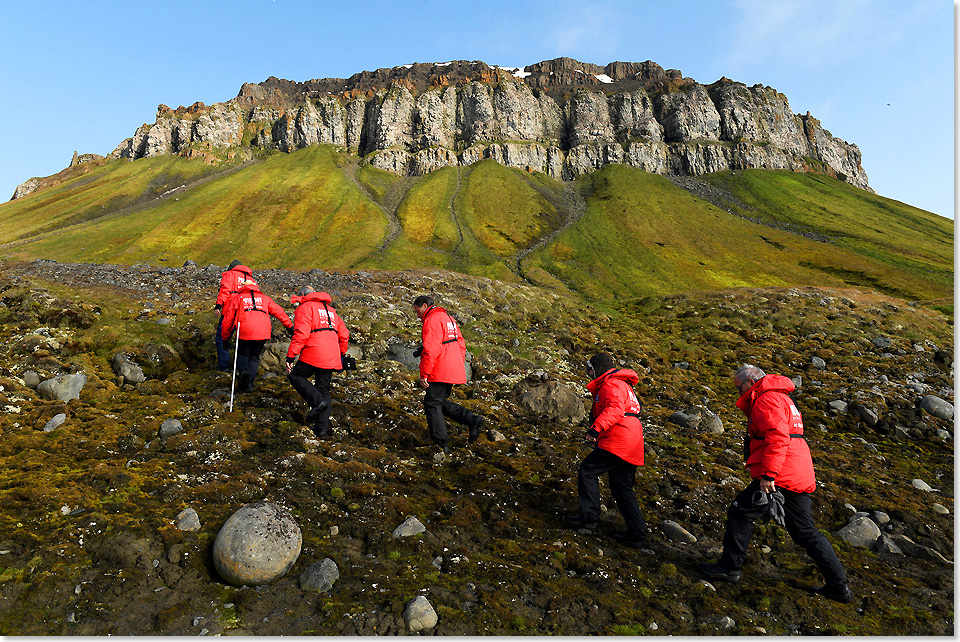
436,407
796,506
621,475
314,394
248,362
223,352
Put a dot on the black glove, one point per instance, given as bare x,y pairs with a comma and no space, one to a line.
418,351
218,307
593,434
347,362
291,360
290,331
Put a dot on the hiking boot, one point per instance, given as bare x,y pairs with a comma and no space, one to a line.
321,433
719,572
475,429
577,521
633,539
316,410
836,592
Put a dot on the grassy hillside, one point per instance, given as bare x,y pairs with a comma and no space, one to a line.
617,234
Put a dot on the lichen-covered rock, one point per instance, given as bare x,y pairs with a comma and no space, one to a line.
419,615
410,527
861,531
320,576
257,545
62,387
937,407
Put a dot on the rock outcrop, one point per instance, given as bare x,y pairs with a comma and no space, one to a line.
560,117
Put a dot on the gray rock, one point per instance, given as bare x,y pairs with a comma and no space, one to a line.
867,415
861,531
170,427
712,423
320,576
689,418
257,545
941,509
906,545
937,407
411,526
933,555
31,379
125,367
880,517
188,520
55,422
682,365
818,363
555,401
838,406
726,622
887,545
882,342
62,387
677,533
922,485
419,615
190,263
943,434
403,354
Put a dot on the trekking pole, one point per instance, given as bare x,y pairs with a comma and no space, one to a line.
233,378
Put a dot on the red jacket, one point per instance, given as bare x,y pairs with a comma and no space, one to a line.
615,414
319,334
444,349
252,309
231,281
772,418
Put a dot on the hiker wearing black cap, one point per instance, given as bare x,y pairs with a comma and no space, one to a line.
616,429
249,311
230,282
778,457
442,357
317,349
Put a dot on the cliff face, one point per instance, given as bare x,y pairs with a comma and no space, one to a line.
560,117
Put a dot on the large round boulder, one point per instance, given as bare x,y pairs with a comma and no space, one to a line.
257,545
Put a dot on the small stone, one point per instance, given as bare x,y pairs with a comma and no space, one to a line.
334,530
727,622
31,379
419,615
941,509
55,422
922,485
818,363
880,517
887,545
861,531
62,387
257,544
937,407
765,549
320,576
411,526
652,626
188,520
677,533
838,405
170,427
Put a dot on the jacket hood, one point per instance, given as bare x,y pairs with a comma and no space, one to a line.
249,286
322,297
242,268
769,383
625,374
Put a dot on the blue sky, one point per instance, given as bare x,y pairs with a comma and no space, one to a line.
83,75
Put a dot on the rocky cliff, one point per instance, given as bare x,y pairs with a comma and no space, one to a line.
560,117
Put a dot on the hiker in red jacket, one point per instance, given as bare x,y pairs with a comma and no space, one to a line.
229,285
615,427
251,309
442,354
779,460
320,339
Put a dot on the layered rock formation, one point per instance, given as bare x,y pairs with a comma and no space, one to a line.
560,117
